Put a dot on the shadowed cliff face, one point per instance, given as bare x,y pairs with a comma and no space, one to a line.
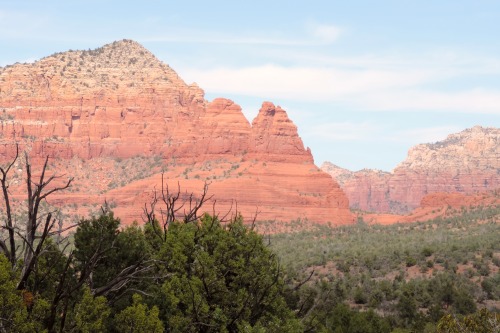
121,102
466,162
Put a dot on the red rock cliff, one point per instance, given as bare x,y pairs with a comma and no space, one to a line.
119,102
466,162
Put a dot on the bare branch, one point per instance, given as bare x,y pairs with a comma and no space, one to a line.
122,278
195,205
297,287
173,204
254,219
149,216
9,253
34,221
224,219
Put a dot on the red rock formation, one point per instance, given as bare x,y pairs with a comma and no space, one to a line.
459,200
466,162
274,135
438,205
119,102
366,189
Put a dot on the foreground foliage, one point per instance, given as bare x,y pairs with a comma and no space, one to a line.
221,279
204,277
482,321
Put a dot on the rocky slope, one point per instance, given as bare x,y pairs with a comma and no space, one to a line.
466,162
116,117
439,205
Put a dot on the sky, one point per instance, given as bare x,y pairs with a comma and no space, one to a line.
363,80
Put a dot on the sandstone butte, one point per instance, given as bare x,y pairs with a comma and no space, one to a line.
467,162
116,117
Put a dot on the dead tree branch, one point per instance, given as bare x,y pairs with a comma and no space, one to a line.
8,249
176,206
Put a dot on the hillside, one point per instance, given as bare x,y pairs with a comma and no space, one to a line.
116,118
466,162
381,267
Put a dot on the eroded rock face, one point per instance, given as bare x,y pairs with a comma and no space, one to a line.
466,162
274,135
120,102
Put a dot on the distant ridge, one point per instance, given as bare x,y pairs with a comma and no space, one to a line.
466,162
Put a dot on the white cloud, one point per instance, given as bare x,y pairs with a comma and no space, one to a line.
343,131
325,33
314,34
443,63
373,85
465,101
423,135
302,83
215,38
362,131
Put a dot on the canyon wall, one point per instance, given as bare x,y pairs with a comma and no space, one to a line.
119,102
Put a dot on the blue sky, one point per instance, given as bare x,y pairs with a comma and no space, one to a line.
362,80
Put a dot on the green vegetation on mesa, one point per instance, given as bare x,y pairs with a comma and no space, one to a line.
470,237
196,273
409,275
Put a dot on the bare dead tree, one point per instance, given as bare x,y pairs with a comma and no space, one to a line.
26,239
78,272
176,206
65,289
35,224
10,249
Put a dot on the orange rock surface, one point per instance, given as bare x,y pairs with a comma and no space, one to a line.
466,162
437,205
100,113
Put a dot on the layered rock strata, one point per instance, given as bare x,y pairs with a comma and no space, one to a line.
466,162
120,102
